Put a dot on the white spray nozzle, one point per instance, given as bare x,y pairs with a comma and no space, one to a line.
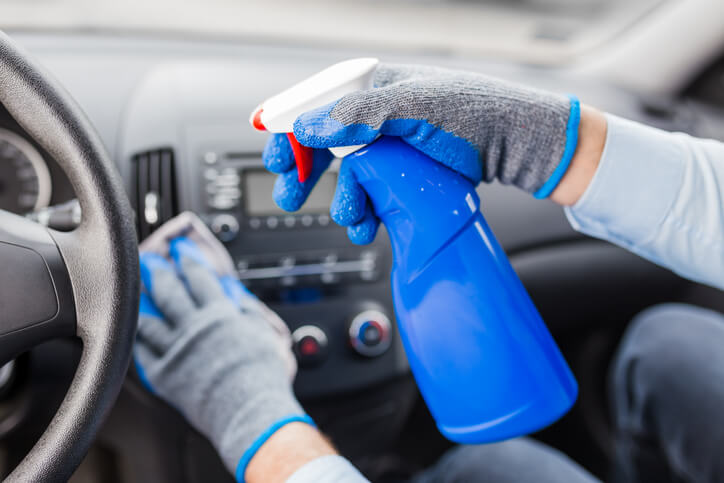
278,113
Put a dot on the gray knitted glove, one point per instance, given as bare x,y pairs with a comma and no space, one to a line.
205,346
482,127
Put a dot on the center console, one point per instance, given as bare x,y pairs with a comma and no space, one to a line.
335,296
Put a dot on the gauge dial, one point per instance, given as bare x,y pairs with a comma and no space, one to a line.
25,184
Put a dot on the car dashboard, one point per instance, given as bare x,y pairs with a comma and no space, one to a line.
174,115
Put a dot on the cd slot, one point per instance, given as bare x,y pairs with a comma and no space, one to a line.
352,266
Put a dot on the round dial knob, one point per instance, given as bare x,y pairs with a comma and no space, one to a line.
370,333
225,227
310,345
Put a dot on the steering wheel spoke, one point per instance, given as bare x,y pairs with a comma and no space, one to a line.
36,298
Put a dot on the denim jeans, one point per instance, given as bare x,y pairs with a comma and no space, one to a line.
667,398
521,460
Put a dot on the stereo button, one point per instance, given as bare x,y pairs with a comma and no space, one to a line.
310,345
225,227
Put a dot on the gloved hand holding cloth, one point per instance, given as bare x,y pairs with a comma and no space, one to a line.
213,350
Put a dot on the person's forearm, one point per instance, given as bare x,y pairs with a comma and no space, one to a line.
591,141
299,453
657,194
287,450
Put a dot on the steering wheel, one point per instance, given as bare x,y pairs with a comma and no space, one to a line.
55,284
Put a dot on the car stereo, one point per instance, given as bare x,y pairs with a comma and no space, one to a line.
237,194
186,145
334,295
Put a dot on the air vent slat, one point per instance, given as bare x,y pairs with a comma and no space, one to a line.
143,188
152,207
168,199
155,189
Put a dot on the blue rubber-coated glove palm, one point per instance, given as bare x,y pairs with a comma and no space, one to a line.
481,127
205,345
350,207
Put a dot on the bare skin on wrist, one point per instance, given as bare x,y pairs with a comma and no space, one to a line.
591,140
287,450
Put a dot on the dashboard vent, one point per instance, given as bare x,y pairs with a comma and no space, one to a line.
154,192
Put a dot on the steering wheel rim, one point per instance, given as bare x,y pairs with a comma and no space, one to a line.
100,258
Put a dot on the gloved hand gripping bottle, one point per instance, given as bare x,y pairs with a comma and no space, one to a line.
483,359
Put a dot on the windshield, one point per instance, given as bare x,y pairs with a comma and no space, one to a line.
537,31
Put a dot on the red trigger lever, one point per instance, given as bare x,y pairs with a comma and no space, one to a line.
303,155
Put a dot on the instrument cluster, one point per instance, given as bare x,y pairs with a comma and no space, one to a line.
25,180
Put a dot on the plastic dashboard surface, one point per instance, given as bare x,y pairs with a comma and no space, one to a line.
157,102
177,110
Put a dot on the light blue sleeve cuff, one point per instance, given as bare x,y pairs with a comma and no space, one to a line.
328,469
263,437
637,179
659,195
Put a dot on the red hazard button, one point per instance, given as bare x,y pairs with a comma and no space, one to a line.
310,345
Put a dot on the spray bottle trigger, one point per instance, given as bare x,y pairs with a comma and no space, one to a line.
256,120
303,156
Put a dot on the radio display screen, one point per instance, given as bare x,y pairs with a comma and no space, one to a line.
258,186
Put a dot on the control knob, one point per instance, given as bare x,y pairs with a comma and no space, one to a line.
370,333
310,345
225,227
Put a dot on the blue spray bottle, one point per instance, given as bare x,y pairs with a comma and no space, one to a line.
483,359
